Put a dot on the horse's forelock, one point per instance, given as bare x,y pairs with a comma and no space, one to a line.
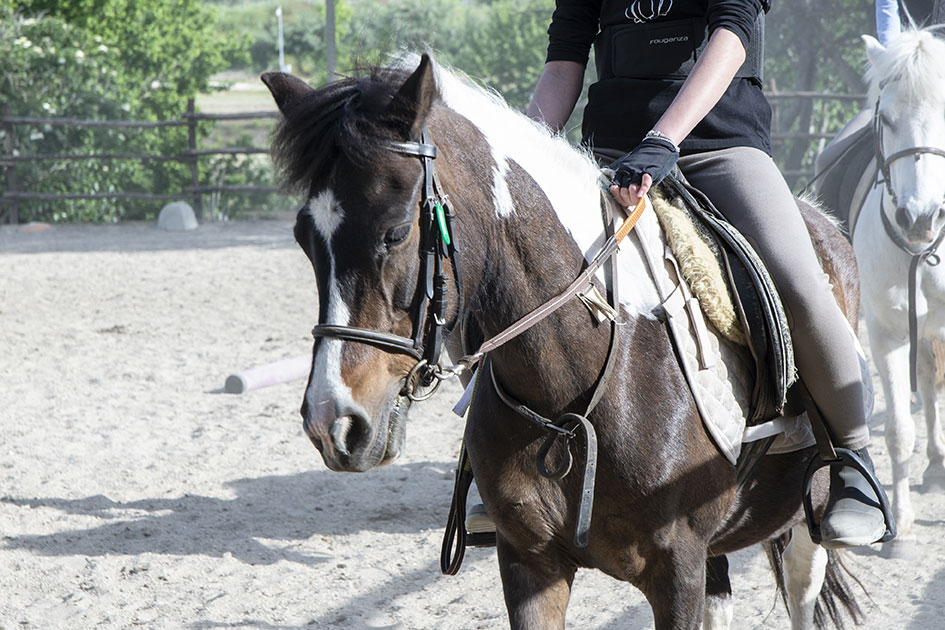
915,59
346,118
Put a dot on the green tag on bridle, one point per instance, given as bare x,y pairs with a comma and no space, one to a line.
441,221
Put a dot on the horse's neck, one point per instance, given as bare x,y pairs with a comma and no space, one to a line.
524,255
530,207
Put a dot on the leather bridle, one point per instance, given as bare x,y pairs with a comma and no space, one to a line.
430,324
884,162
929,255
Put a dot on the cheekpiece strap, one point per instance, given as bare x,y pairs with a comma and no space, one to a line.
419,149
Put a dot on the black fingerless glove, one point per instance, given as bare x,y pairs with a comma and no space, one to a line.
655,156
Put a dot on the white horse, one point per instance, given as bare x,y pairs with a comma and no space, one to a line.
897,239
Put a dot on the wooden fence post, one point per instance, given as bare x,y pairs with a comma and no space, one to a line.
192,158
9,147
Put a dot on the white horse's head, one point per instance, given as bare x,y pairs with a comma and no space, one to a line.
907,82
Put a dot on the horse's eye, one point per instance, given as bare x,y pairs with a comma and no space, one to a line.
396,235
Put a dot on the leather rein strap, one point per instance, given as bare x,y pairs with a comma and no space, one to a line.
929,255
579,284
430,326
570,425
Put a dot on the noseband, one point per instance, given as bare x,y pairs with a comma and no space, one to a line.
430,323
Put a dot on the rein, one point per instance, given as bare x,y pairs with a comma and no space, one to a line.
928,255
438,243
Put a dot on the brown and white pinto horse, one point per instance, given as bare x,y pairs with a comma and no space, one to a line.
527,209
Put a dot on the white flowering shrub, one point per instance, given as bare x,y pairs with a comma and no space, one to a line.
105,60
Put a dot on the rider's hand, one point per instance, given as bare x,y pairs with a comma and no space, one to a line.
642,168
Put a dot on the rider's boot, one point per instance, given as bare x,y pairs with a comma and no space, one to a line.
853,516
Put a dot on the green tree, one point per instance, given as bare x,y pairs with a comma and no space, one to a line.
505,47
814,46
105,59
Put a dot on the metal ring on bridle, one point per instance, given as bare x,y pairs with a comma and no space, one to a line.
412,382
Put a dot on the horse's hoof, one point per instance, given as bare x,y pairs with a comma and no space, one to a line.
899,549
933,479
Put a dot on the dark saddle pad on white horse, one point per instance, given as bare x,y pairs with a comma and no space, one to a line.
841,180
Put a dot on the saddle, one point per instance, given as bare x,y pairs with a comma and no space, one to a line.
845,182
761,322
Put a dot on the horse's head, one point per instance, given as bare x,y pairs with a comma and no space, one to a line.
347,146
907,84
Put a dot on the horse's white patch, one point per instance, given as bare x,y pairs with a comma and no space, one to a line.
805,565
501,196
326,213
327,383
567,176
718,613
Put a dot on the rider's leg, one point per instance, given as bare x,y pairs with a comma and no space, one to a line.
746,186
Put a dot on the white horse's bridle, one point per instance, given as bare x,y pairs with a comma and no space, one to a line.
929,255
883,162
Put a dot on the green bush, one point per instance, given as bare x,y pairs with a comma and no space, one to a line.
105,60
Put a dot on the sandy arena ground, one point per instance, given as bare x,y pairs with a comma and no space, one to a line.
133,492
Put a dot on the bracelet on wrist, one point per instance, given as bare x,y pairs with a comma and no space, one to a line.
653,133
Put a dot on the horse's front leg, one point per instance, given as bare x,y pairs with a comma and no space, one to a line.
719,611
933,479
805,565
674,583
891,355
537,587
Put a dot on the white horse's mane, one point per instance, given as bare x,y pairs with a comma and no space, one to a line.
915,59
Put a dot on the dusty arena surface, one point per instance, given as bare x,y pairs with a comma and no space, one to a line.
135,493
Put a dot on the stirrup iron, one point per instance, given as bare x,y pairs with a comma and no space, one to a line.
846,457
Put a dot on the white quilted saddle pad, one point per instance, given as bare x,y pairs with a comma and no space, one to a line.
718,370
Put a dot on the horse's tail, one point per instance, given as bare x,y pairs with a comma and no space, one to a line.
837,599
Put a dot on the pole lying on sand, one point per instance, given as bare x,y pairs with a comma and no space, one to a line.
269,374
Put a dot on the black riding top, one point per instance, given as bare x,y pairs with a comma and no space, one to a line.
644,49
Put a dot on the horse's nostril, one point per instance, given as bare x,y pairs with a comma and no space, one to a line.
902,218
348,432
338,433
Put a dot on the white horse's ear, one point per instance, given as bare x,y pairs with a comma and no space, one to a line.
873,48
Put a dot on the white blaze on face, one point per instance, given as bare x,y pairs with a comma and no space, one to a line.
327,385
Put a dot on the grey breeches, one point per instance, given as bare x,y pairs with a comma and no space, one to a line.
746,186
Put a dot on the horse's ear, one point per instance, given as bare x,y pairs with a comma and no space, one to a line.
873,48
413,100
285,88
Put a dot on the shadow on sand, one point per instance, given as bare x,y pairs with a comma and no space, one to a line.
280,508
